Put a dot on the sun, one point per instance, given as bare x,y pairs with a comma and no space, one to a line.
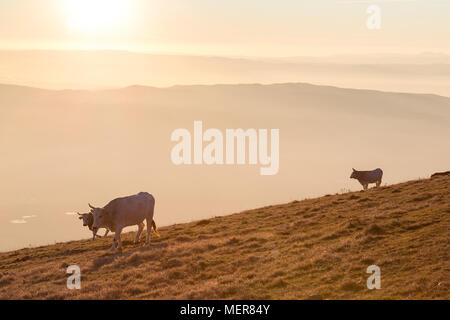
95,16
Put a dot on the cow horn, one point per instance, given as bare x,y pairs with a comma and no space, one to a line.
91,206
353,169
79,214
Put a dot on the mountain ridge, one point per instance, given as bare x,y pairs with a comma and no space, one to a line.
112,69
7,86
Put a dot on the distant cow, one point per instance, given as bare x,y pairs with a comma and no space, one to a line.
88,221
366,177
124,212
440,174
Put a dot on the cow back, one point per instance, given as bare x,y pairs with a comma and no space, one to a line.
130,210
370,176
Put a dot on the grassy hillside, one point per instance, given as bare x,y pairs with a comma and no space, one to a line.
316,247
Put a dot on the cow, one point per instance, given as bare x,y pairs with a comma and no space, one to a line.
123,212
88,221
440,174
366,177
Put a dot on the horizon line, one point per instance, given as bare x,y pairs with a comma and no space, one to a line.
218,84
230,56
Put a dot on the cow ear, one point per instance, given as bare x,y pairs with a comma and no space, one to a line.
80,218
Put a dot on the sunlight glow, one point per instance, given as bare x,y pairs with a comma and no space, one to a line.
95,16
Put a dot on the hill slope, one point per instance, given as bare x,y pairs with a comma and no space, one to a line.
297,250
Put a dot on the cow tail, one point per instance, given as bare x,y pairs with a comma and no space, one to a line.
154,229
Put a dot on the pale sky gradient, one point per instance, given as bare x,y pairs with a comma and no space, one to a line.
231,27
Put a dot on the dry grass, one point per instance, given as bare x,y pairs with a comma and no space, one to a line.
317,248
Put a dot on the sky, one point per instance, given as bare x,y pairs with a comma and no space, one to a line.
231,27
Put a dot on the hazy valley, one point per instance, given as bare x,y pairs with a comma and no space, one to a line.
63,149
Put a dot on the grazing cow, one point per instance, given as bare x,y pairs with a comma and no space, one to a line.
124,212
88,220
366,177
440,174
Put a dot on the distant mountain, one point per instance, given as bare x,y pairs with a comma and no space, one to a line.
380,58
425,73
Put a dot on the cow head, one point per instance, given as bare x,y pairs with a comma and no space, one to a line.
87,218
100,217
354,174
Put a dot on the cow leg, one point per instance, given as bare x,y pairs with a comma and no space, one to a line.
113,243
365,186
138,234
117,238
378,183
149,230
